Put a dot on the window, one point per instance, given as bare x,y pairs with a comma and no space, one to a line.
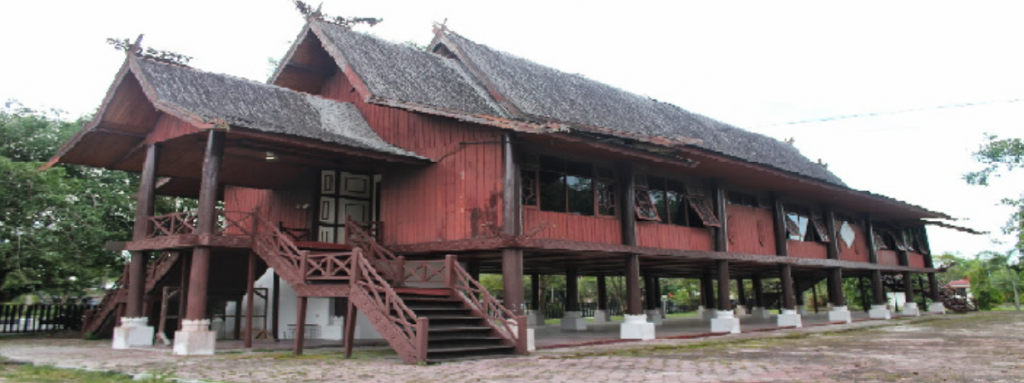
670,202
803,224
557,185
742,199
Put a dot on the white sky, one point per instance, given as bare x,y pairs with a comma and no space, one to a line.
752,64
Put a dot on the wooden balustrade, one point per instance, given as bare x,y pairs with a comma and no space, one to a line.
186,222
504,321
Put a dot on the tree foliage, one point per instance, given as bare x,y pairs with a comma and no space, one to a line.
995,278
999,156
54,224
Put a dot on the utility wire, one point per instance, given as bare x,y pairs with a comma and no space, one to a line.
877,114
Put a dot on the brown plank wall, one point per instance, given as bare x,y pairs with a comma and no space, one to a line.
453,199
800,249
750,230
888,257
857,252
659,235
573,227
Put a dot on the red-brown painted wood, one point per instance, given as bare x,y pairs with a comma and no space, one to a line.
888,257
915,259
453,199
750,230
800,249
858,252
573,227
662,236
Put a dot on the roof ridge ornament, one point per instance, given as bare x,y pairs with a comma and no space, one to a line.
344,22
135,49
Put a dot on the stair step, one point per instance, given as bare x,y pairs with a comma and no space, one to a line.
429,309
444,337
457,328
423,291
458,352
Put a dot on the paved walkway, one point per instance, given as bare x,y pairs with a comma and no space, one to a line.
987,347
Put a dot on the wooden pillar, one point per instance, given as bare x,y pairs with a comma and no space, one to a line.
721,233
250,296
143,210
512,279
788,294
300,326
724,304
758,292
741,292
535,292
627,189
207,217
238,319
186,262
633,306
350,327
832,246
836,293
869,237
572,291
877,290
800,294
276,302
649,291
602,293
473,268
908,287
779,225
708,290
863,294
933,288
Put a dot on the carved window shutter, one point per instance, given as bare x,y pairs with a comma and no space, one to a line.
703,208
645,209
819,226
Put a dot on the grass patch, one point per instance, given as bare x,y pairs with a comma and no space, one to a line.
26,373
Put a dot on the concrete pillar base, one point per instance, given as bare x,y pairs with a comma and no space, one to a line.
195,338
760,313
910,309
602,316
724,321
802,310
840,314
879,312
789,318
636,327
654,316
573,321
531,340
133,332
535,318
936,308
740,310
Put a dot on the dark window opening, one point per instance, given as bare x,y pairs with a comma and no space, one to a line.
567,186
742,199
670,203
552,191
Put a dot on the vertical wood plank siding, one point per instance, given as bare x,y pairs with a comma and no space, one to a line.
573,227
802,249
168,127
888,257
915,259
453,199
658,235
750,230
856,252
291,207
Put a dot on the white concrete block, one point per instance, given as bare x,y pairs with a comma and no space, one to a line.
936,308
910,308
740,310
195,338
535,318
760,313
802,310
725,321
531,340
636,327
654,316
133,332
574,321
840,314
602,316
879,312
789,318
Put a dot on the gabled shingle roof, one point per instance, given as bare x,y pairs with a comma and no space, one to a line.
192,94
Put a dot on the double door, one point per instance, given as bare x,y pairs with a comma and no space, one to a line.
343,194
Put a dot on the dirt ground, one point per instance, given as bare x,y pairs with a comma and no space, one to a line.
980,347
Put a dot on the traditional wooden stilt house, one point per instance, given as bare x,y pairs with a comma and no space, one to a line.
388,177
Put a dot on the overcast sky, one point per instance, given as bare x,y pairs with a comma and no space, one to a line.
755,65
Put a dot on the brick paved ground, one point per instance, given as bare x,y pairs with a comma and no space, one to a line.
985,347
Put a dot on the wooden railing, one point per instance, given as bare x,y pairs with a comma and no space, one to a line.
404,331
186,222
504,321
278,251
327,266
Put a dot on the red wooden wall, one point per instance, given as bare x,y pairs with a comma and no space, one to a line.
858,252
450,200
888,257
915,259
802,249
291,208
662,236
750,230
574,227
168,127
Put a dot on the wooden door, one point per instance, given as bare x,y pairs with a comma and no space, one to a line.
342,194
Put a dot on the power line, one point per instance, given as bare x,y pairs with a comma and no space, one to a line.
878,114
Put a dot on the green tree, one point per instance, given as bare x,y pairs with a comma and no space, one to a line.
998,156
54,224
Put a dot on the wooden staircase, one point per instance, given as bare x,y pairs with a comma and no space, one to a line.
102,319
447,315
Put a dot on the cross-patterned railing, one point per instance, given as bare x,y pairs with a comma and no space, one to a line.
327,266
511,327
186,222
407,333
278,251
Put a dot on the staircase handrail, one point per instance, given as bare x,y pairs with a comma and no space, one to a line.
186,222
267,237
383,258
508,324
410,330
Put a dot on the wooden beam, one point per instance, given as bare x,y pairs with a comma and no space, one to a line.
572,291
512,224
250,296
724,303
788,292
721,233
633,306
832,246
512,279
143,210
836,283
276,301
602,293
207,217
300,327
779,226
627,189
